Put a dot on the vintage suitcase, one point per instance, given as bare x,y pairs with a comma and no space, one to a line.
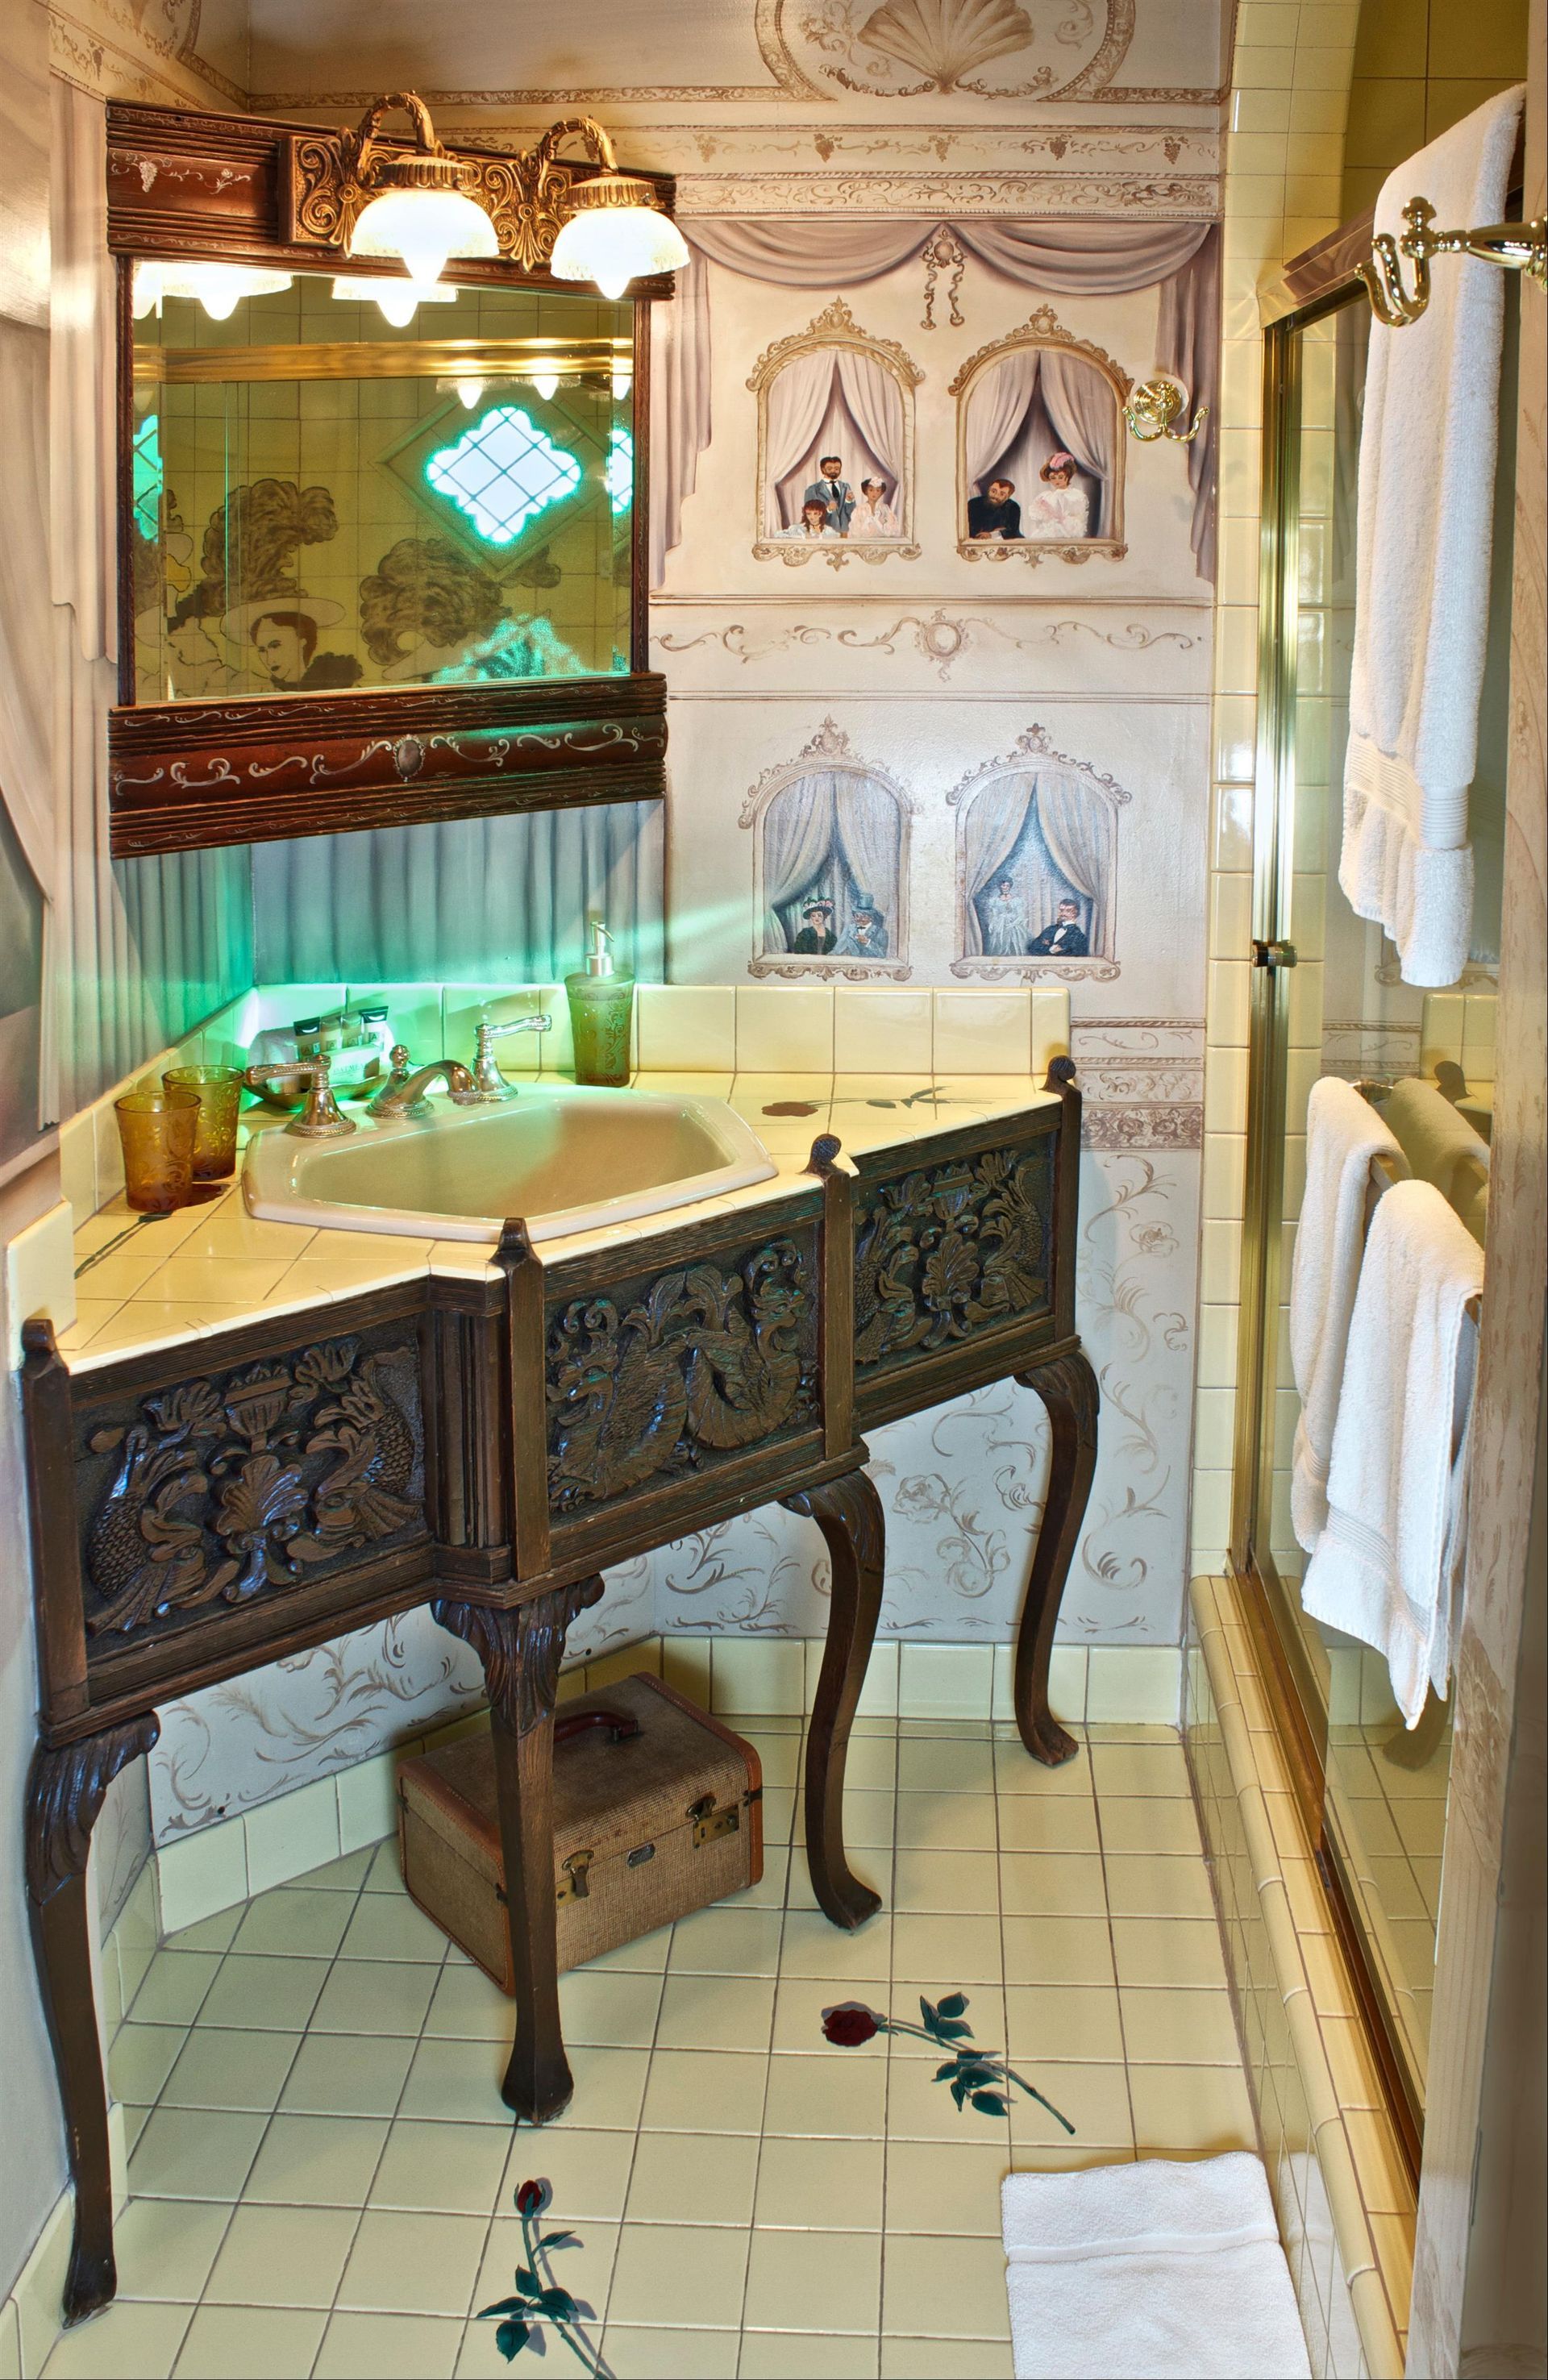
657,1811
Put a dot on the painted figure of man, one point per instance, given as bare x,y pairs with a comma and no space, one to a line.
833,493
1005,921
1065,938
995,513
815,938
865,937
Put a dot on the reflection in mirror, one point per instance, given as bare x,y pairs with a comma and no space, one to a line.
322,501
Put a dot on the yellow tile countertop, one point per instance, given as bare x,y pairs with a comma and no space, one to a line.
149,1282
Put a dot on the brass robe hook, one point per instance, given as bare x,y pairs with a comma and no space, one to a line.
1520,246
1154,405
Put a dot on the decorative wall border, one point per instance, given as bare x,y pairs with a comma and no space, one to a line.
1042,328
833,327
830,747
1100,968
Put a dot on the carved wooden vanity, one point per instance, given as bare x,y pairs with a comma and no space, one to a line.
489,1445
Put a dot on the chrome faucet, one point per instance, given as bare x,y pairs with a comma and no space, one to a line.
321,1118
404,1096
486,1073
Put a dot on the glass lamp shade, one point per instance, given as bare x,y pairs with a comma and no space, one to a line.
398,301
219,288
424,228
612,246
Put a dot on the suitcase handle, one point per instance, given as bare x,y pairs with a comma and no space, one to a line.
621,1728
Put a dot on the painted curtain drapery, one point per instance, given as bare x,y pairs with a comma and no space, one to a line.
1083,410
1069,257
798,400
993,825
798,835
869,828
876,403
997,408
1078,827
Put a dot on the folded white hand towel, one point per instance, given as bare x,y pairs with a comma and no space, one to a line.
1344,1132
1388,1565
1428,445
1440,1144
1152,2271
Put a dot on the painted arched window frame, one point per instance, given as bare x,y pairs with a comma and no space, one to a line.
836,328
829,754
1033,753
1044,331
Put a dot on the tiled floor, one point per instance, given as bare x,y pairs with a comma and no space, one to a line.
321,2171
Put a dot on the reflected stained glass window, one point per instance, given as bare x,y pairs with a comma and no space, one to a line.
148,476
503,472
620,469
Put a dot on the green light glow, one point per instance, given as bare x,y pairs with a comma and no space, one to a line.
503,472
620,469
147,477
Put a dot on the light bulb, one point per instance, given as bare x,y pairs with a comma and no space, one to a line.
398,301
611,246
469,391
219,288
423,227
622,383
547,385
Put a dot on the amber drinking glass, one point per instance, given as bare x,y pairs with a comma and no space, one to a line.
158,1129
219,1093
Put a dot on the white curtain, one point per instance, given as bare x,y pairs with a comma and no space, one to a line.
870,836
798,833
798,400
838,433
876,403
1078,828
1084,412
26,656
993,825
1188,346
997,408
680,386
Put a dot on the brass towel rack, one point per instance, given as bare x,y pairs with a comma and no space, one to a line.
1520,246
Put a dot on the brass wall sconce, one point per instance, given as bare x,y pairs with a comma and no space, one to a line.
1154,405
359,193
1520,246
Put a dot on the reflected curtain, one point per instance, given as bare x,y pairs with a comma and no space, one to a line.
1084,412
875,401
1078,827
797,398
1069,257
870,836
462,900
798,832
997,408
993,825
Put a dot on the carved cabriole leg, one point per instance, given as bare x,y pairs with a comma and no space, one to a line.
848,1512
64,1794
1069,1390
521,1651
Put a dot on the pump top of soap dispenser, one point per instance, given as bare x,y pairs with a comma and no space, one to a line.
599,958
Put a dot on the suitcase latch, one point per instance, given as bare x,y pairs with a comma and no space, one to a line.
574,1885
710,1823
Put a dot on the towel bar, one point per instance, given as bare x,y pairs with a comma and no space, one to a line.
1520,246
1384,1173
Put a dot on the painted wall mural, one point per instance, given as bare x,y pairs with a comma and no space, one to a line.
1040,448
836,445
829,866
1037,867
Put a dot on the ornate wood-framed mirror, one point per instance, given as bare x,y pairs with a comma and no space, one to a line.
381,544
1041,447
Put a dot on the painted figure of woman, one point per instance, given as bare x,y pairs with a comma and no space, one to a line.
1004,922
872,516
1059,508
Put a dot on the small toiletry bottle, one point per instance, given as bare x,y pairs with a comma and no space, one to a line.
600,1011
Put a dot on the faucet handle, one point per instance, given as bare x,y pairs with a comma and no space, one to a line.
491,1083
321,1118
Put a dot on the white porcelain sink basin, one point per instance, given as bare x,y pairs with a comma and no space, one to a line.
563,1158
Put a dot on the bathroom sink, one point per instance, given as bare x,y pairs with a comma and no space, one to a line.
563,1158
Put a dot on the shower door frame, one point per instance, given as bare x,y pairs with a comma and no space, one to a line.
1297,1699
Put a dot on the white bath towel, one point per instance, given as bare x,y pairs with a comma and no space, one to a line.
1426,455
1439,1143
1388,1565
1153,2271
1344,1132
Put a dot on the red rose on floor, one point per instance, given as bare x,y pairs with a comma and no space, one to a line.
850,2023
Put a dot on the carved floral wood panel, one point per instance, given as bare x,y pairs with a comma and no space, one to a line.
221,1488
948,1250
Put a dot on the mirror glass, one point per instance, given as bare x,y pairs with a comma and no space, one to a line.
320,501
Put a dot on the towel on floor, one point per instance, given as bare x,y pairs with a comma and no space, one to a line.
1158,2270
1439,1143
1388,1565
1344,1132
1427,455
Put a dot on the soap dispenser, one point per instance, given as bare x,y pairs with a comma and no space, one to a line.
601,1010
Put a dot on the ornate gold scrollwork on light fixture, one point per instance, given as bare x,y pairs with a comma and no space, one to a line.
1520,246
1154,405
527,196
